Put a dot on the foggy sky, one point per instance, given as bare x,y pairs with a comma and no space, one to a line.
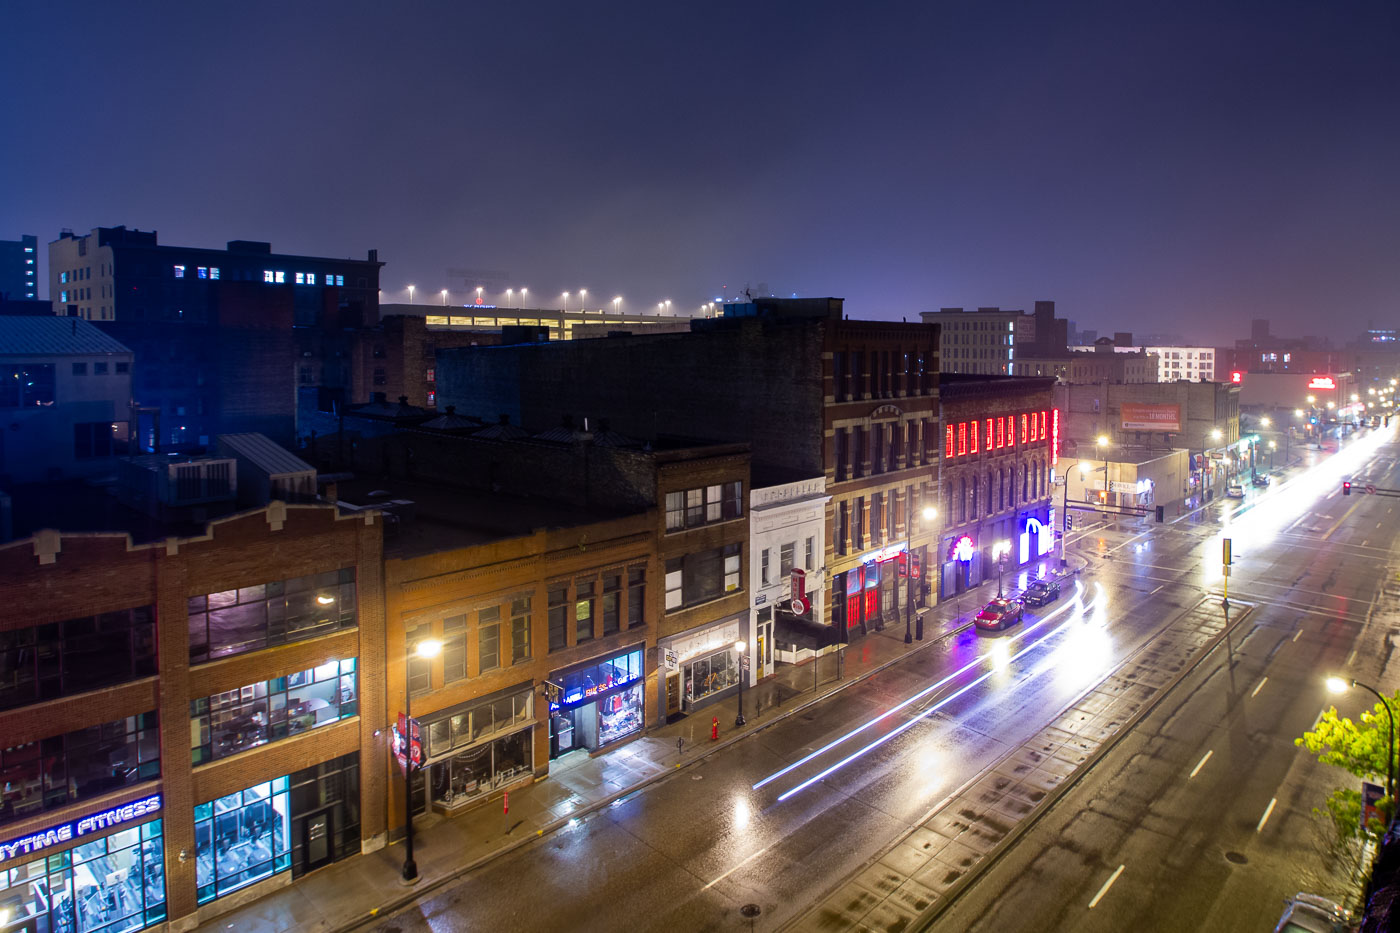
1150,167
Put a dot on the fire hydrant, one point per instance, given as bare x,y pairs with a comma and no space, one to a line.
714,729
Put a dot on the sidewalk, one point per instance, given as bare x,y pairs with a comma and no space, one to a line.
352,892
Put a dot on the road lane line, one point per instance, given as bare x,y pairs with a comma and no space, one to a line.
1258,688
1200,764
1104,890
1351,657
737,867
1320,714
1265,818
1297,634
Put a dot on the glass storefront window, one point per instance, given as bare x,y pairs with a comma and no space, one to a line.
241,839
479,722
619,715
614,672
111,885
60,659
482,768
710,675
231,722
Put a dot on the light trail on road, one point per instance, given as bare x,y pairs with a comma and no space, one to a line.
1078,596
905,727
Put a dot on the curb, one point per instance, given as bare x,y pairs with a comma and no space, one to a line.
419,890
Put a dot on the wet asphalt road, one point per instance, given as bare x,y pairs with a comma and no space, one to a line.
689,852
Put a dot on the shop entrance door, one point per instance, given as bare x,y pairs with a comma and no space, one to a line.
317,832
673,694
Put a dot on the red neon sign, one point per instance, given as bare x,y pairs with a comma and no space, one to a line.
1236,376
948,442
1055,438
1322,382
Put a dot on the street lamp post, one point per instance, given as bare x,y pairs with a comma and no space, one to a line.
929,514
1339,685
524,295
1273,445
566,301
444,297
510,292
999,552
583,299
426,649
410,294
478,294
739,646
617,304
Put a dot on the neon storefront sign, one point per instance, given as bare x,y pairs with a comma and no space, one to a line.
885,553
964,548
1322,382
26,846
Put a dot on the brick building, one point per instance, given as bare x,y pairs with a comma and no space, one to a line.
998,451
813,393
189,722
551,567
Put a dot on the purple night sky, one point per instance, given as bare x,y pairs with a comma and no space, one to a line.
1175,167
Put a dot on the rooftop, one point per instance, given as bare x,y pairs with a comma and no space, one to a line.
40,335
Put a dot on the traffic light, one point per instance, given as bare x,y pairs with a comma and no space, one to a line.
1069,522
1346,487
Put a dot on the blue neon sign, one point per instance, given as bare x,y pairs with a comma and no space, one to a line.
67,832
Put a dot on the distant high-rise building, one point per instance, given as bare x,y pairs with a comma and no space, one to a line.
982,342
19,268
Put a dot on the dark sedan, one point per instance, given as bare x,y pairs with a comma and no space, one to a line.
1041,592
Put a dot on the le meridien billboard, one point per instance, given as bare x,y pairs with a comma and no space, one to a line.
1140,416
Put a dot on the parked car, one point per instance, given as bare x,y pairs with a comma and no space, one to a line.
1234,491
999,613
1041,592
1260,481
1309,913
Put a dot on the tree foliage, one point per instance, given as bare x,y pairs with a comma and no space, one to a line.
1360,748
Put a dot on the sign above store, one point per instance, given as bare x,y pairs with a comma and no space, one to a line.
964,549
1322,382
25,846
885,553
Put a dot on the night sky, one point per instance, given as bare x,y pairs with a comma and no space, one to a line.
1175,166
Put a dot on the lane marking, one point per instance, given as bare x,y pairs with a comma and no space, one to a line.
1104,890
737,867
1320,714
1265,818
1200,764
1351,657
1297,634
1258,688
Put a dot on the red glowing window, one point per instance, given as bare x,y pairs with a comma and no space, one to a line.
1025,429
1044,423
991,438
973,447
948,442
962,438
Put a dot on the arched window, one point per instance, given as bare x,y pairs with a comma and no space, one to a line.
962,499
1025,478
972,499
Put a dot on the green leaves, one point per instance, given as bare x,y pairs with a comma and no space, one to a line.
1360,748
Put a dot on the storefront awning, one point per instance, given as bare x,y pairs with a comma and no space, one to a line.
803,633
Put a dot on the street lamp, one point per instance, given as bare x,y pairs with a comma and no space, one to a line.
999,552
1102,444
583,299
444,297
929,514
524,294
617,304
478,294
410,294
427,649
1339,685
509,293
1273,445
739,719
566,301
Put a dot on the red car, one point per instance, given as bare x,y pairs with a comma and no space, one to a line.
999,613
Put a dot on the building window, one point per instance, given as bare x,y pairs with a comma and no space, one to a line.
709,675
480,748
269,277
612,604
80,369
583,611
432,375
380,378
78,765
57,659
810,554
241,839
26,385
99,369
763,571
636,596
704,506
121,877
213,272
558,618
420,669
123,368
432,399
300,278
519,630
334,784
92,439
786,559
454,648
281,277
488,639
179,272
277,613
270,710
63,278
339,280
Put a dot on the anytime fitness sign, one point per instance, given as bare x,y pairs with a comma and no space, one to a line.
57,835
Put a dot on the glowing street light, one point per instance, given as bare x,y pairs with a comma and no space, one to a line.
444,297
524,294
583,299
1339,685
1216,434
1265,422
410,294
617,305
566,301
478,294
509,293
999,552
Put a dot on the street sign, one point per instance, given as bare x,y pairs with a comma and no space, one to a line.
744,663
673,662
1225,551
798,583
800,605
1370,489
